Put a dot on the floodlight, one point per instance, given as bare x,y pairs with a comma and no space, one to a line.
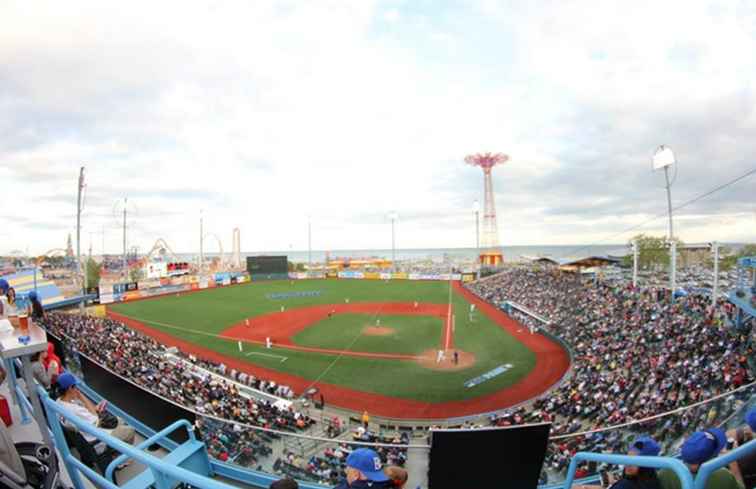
663,158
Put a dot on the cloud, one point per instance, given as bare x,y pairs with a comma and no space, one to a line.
262,114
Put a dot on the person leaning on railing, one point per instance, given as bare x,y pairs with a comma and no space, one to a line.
701,447
741,436
634,477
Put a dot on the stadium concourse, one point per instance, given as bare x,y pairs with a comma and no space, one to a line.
641,364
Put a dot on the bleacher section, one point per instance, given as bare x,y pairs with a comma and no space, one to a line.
23,282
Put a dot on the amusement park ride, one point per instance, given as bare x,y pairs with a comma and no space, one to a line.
491,254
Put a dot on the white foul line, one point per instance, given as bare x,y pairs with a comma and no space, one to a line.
283,358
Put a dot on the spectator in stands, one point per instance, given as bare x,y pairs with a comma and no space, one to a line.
45,369
4,286
77,403
364,469
10,302
701,447
634,477
398,475
740,436
37,311
286,483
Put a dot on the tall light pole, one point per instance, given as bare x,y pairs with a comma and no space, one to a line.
309,243
393,216
635,263
82,270
125,263
663,159
201,255
715,288
476,211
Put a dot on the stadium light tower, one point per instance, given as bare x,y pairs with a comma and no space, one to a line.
664,158
393,216
82,270
476,211
486,161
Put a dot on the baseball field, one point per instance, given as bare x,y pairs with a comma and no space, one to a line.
401,349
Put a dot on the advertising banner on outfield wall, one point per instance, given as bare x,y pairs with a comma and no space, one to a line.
399,276
350,274
372,275
385,276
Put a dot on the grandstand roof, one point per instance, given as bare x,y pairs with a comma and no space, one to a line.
586,262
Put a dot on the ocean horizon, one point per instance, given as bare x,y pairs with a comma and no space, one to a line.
511,253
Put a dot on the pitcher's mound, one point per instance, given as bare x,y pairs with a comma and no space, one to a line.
377,331
429,359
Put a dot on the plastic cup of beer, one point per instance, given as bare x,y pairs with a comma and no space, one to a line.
23,321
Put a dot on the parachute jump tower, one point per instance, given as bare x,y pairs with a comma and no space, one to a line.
490,254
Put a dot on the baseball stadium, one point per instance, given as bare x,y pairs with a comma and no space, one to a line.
410,308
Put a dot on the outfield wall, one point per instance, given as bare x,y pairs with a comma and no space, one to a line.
156,287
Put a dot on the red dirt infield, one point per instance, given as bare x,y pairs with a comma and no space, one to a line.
552,362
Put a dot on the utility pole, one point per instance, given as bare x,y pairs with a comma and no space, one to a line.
309,243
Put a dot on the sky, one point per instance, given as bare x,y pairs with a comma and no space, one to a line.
267,115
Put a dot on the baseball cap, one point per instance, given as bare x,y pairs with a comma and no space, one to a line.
368,462
645,445
32,296
67,380
4,285
751,418
703,445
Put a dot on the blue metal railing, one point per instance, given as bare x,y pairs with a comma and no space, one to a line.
679,468
706,469
162,472
149,441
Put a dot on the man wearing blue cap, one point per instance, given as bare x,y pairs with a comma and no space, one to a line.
77,403
634,477
701,447
364,469
740,436
4,286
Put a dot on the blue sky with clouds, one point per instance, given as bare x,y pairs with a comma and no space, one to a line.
262,113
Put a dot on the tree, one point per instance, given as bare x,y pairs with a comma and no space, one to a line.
93,273
653,252
135,274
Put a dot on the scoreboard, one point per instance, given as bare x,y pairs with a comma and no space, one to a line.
267,264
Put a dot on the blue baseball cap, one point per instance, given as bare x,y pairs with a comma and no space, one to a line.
703,446
32,296
368,462
751,419
646,446
67,380
4,286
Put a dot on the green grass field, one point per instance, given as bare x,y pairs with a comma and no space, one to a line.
200,317
412,334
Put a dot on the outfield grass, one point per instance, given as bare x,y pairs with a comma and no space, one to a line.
199,317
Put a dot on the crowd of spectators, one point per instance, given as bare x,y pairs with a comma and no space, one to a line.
143,361
330,466
636,354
